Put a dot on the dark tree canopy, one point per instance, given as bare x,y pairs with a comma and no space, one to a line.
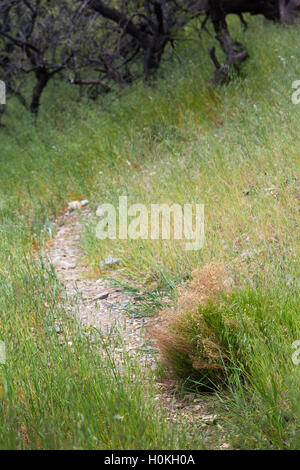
95,42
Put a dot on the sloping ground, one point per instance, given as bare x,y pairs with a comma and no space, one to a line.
100,306
237,150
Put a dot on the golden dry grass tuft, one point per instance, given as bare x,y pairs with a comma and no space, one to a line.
206,282
186,342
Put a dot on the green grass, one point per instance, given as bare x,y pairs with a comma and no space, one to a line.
236,149
240,347
66,390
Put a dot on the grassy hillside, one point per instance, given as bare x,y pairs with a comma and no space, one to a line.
236,149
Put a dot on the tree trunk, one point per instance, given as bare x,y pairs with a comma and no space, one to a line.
289,10
234,51
152,57
42,77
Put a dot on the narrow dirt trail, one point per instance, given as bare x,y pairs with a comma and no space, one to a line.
102,306
98,303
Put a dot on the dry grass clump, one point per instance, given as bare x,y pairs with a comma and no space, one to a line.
206,282
188,337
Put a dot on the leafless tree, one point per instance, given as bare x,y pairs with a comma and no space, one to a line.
45,38
217,10
95,42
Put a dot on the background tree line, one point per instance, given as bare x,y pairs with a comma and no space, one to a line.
95,43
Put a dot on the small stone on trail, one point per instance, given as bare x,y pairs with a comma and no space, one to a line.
225,446
102,296
210,419
74,205
77,204
109,261
68,266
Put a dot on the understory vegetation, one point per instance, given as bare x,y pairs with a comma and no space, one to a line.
230,312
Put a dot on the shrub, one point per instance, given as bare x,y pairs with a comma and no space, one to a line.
217,329
187,338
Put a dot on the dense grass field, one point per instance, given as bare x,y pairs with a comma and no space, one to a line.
233,148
